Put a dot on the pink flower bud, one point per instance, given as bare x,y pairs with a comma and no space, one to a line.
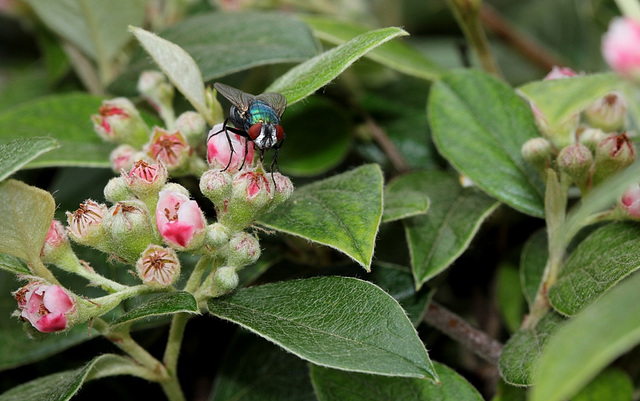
220,154
283,190
85,224
180,221
122,158
621,47
244,249
119,121
169,148
607,113
192,125
47,307
158,266
145,178
630,202
55,243
251,196
216,185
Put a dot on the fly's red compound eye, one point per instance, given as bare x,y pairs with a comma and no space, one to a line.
279,132
254,131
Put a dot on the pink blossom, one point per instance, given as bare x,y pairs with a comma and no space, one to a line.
631,201
145,177
220,155
46,307
169,148
621,47
56,237
180,220
122,157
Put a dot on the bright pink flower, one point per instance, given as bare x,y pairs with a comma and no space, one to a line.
46,307
621,47
220,155
180,220
171,149
144,178
631,201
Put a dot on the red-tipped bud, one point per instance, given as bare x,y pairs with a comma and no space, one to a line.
119,121
122,158
56,243
613,154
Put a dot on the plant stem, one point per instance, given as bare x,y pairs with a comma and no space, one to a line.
477,341
467,13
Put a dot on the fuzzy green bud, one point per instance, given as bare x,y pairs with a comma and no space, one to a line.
128,226
216,237
244,249
216,185
251,195
155,88
576,161
591,137
117,190
538,151
225,279
193,126
607,113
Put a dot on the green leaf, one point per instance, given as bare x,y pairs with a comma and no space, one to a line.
27,214
342,212
455,214
19,152
165,304
65,118
256,370
606,329
13,264
320,137
97,27
479,125
398,282
224,43
532,263
600,261
338,322
178,66
335,385
63,386
396,55
520,354
611,385
306,78
557,99
402,199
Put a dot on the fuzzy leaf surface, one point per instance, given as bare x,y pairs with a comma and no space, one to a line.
165,304
396,55
455,215
63,386
557,99
604,258
65,118
343,212
519,359
533,260
19,152
338,322
606,329
479,124
336,385
402,199
306,78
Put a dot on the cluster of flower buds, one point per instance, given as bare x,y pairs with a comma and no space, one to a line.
178,144
587,153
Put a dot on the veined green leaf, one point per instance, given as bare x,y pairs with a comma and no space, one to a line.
402,199
338,322
19,152
165,304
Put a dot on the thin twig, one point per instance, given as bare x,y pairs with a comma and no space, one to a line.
477,341
382,139
519,41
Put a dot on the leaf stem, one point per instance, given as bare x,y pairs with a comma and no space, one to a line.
467,13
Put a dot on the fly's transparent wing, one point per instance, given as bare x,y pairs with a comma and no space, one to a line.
275,100
238,98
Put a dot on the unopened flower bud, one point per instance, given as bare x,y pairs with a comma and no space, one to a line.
216,185
228,151
146,179
155,88
217,237
117,190
49,308
122,158
119,121
538,151
175,187
128,226
251,195
85,225
608,113
630,202
180,221
613,154
283,190
621,47
591,137
192,125
576,161
171,149
158,267
244,249
56,243
225,279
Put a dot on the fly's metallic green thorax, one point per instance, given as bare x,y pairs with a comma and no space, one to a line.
258,112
